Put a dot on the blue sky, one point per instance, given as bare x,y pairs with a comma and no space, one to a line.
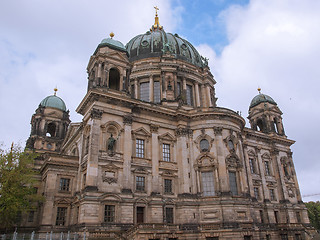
273,44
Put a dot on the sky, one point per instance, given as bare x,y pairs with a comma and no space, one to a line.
271,44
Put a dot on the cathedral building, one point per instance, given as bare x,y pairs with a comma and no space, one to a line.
155,157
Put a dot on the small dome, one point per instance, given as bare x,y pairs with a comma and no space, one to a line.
114,44
54,102
156,42
260,98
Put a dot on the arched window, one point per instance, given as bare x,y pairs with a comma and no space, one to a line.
260,125
51,130
275,126
114,79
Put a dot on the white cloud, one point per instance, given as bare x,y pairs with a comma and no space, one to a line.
275,45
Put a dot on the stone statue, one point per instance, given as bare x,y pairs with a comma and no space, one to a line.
111,143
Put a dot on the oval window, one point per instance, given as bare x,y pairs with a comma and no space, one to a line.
230,145
204,145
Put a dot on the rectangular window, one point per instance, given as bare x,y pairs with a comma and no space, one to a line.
140,148
144,91
140,214
169,215
261,216
212,238
166,152
178,88
168,186
64,184
247,237
298,217
140,183
252,167
109,213
284,236
268,237
189,95
31,216
207,184
267,166
298,237
156,92
132,91
61,216
272,195
276,216
256,193
233,183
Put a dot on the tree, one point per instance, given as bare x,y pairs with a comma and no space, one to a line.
17,192
314,213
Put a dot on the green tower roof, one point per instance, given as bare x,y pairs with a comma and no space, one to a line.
54,102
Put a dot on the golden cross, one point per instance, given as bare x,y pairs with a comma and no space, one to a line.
156,8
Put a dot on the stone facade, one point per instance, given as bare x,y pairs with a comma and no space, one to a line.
155,158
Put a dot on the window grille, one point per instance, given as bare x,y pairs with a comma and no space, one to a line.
168,186
156,92
140,183
140,148
61,216
207,184
144,91
64,184
166,152
233,183
109,213
189,95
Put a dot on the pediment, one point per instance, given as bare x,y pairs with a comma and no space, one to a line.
111,198
251,153
167,136
266,155
62,201
141,131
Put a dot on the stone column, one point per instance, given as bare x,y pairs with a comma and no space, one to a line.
279,175
155,158
208,96
99,81
223,178
127,153
136,88
151,88
203,95
92,165
106,81
182,156
184,89
196,89
265,189
248,170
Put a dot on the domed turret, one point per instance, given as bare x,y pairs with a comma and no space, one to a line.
113,44
264,114
261,98
54,102
49,124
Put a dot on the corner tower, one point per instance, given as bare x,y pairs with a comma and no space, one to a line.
264,115
49,124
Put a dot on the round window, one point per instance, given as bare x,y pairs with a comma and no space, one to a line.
204,145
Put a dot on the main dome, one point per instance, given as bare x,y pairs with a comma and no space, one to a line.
156,42
54,102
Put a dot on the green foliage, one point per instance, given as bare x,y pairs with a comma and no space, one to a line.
17,192
314,213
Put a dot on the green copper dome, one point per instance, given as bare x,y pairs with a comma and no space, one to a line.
114,44
260,98
54,102
156,42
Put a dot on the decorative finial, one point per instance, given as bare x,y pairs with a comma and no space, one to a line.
156,21
259,90
156,8
111,34
55,90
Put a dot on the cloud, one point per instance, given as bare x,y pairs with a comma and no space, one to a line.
48,44
274,44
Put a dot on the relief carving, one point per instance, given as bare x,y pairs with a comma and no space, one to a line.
96,113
